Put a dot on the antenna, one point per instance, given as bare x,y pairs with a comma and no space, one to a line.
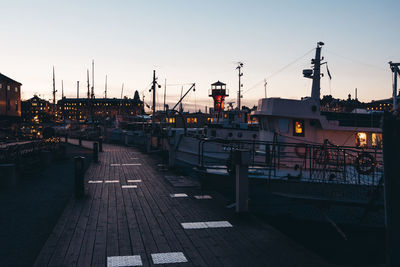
265,88
105,90
240,74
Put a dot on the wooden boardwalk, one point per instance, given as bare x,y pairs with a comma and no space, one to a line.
117,221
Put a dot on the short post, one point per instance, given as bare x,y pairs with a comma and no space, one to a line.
66,138
241,159
79,177
391,157
101,143
80,140
95,152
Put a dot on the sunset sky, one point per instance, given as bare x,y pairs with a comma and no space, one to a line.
200,42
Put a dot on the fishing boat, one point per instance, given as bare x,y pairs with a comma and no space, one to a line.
304,162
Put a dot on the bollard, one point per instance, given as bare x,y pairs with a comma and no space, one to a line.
95,152
79,177
101,143
80,140
241,159
66,138
391,158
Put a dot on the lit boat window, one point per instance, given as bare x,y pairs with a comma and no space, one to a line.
361,139
298,128
376,140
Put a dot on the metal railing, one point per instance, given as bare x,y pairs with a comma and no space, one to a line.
276,160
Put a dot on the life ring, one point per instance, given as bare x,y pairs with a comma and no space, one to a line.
301,150
322,156
365,163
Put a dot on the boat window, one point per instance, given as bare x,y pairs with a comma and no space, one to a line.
283,125
298,128
361,139
377,140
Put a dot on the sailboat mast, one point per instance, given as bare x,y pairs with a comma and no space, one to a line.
54,92
105,90
88,85
92,79
165,92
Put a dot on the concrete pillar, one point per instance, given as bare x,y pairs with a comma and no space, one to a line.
391,156
241,159
79,177
95,152
8,175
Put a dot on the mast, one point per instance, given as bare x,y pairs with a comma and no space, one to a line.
62,89
165,92
54,92
92,95
88,85
153,87
77,89
240,74
265,88
396,71
316,84
105,90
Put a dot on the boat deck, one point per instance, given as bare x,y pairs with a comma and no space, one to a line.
130,211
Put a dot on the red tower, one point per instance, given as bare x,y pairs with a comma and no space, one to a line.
218,92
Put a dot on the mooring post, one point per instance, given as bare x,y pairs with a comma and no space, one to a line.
95,152
101,143
391,159
79,177
80,140
66,138
241,159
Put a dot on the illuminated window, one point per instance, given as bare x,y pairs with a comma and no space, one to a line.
361,140
187,120
194,120
16,89
376,140
225,115
298,128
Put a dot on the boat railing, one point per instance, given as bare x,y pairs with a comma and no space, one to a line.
325,163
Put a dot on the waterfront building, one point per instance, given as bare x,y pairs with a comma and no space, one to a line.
35,110
10,97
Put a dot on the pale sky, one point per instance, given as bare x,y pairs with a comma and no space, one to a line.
200,42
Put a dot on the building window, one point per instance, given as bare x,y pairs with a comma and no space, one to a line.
298,128
187,120
361,140
283,125
16,89
8,88
377,140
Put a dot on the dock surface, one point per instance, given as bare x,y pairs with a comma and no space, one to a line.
132,215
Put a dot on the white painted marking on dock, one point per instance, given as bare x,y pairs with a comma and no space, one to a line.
203,197
115,164
194,225
111,181
178,195
132,164
218,224
120,261
134,158
134,181
170,257
129,186
95,182
203,225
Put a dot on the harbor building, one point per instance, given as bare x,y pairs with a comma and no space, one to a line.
80,109
10,97
35,110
